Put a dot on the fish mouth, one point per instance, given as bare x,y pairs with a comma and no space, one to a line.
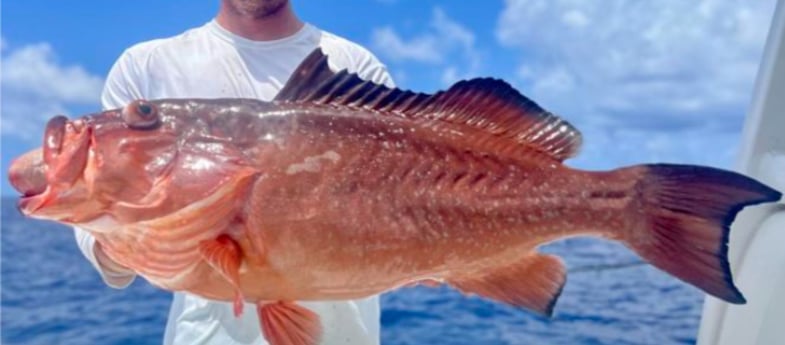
40,173
28,173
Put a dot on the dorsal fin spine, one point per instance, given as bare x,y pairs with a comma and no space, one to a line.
377,100
398,101
324,90
418,101
361,92
340,88
370,96
386,102
357,92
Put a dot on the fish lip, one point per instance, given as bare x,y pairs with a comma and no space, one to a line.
23,205
28,205
32,193
27,173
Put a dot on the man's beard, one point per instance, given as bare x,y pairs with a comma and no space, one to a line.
257,9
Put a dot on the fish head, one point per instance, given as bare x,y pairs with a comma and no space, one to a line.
125,162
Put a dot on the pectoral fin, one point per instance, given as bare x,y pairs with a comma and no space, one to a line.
286,323
225,255
535,282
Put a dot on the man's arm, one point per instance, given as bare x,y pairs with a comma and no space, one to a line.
121,87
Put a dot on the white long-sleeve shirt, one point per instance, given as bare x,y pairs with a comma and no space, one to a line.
211,62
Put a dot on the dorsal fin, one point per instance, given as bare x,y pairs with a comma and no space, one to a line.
486,104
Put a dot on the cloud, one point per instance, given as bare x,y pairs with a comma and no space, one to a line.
444,43
35,87
613,146
422,49
655,68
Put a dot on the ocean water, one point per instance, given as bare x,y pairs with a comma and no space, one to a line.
51,295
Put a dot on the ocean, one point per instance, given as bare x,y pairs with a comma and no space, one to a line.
51,295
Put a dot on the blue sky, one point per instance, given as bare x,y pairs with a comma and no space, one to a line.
645,81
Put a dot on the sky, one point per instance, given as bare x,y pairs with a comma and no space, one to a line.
644,81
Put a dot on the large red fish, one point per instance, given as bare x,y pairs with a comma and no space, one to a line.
340,189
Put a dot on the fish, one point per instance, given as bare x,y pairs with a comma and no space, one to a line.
341,188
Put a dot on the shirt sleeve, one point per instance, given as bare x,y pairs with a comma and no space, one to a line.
121,87
368,67
124,83
117,278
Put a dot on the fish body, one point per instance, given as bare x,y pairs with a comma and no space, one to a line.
378,196
342,189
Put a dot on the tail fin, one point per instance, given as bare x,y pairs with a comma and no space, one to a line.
687,212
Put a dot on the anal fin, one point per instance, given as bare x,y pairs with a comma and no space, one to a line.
286,323
535,282
225,255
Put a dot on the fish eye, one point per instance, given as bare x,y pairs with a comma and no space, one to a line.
144,109
140,114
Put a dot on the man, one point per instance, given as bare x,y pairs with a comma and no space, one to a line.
248,51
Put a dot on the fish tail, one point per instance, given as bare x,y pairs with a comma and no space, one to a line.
681,221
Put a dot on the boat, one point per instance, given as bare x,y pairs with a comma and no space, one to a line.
757,240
